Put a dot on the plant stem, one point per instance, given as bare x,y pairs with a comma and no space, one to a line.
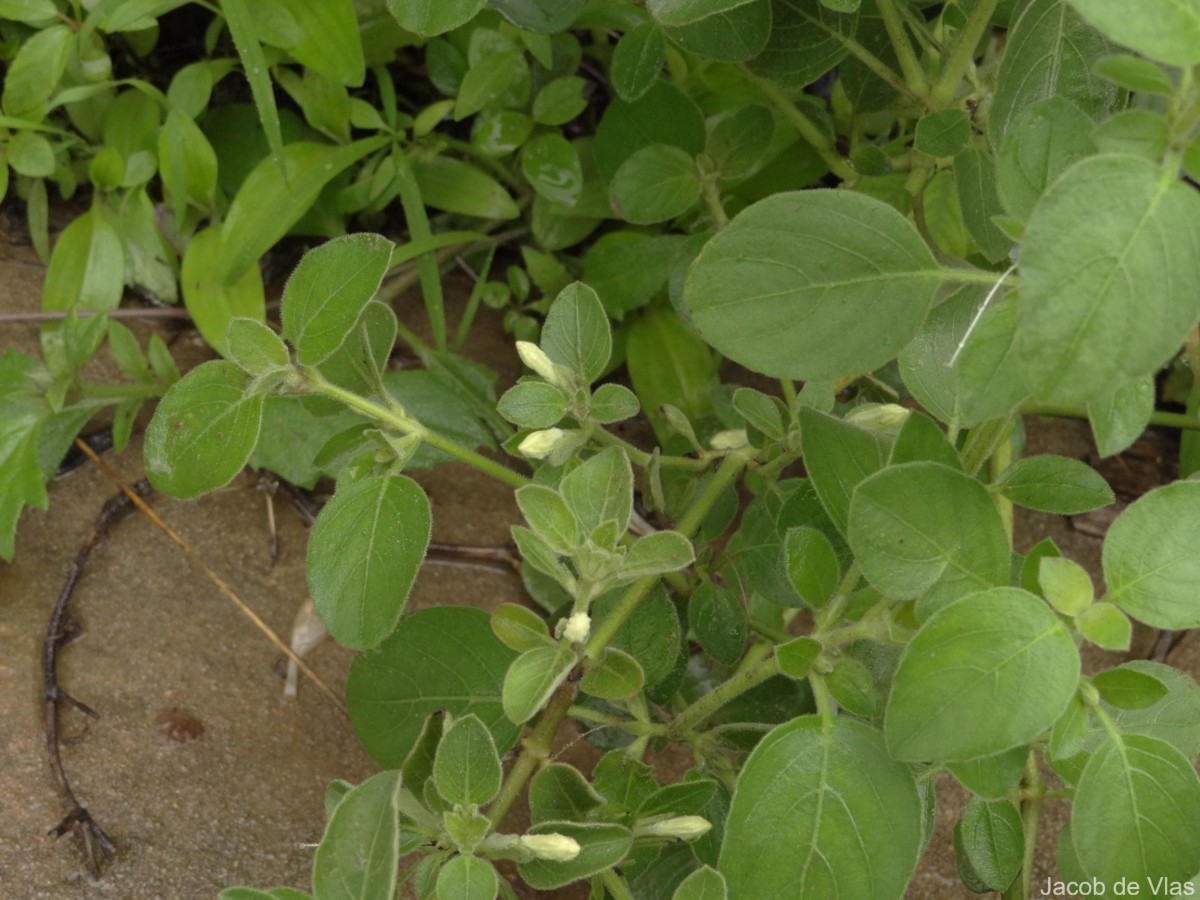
1000,461
914,75
1033,793
615,885
632,726
982,441
806,128
963,52
534,750
822,697
688,525
641,457
712,200
687,720
382,414
121,391
1166,419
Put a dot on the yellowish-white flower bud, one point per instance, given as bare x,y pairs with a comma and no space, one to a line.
578,627
729,440
536,359
538,444
686,828
553,847
882,418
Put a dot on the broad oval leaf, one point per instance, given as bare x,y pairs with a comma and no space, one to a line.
662,115
812,284
211,302
539,16
1055,484
467,878
987,673
1165,30
417,671
576,333
615,676
255,347
551,165
706,883
203,431
654,184
329,290
1107,268
455,186
466,767
360,851
363,556
636,61
1151,563
532,678
719,622
807,40
1136,813
433,17
990,840
1045,139
87,268
601,845
925,530
822,811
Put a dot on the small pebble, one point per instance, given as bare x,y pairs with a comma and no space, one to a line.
179,725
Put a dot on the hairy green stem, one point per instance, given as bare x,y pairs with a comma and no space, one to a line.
394,420
688,525
712,200
640,457
963,52
534,750
982,441
914,75
690,718
1166,419
607,720
615,885
1032,794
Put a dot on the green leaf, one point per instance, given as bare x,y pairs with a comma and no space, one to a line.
455,186
669,364
560,101
807,40
1150,562
706,883
559,791
467,878
22,412
852,685
628,268
601,489
1127,688
636,61
657,554
551,165
487,81
987,673
533,404
1044,140
1166,30
239,16
813,284
31,155
1050,53
838,457
991,777
414,673
943,133
329,39
255,347
539,16
760,411
1055,484
654,184
520,628
31,12
733,35
865,845
466,768
1104,250
920,439
328,292
364,552
652,635
686,798
685,12
1066,585
35,70
663,115
613,403
433,17
718,621
1105,626
812,565
1119,418
549,516
602,845
274,197
576,332
924,363
532,678
211,302
740,141
1135,74
1135,812
360,851
990,839
615,676
87,268
1136,132
203,431
187,163
975,177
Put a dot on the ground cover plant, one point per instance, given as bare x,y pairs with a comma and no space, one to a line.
909,223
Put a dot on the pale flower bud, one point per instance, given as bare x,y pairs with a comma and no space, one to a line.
578,627
729,440
536,359
538,444
553,847
686,828
884,418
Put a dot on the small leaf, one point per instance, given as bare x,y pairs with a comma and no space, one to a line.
943,133
576,333
654,184
838,456
1105,626
35,70
365,549
853,687
532,678
718,620
615,676
549,516
637,59
797,656
211,303
1151,563
979,199
433,17
1135,74
255,347
662,115
761,411
519,628
328,291
613,403
559,791
466,768
551,165
203,431
600,489
1066,585
1045,139
657,554
455,186
990,839
1128,688
740,141
1055,484
1001,649
812,564
360,851
467,878
533,404
706,883
1119,418
87,268
560,101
